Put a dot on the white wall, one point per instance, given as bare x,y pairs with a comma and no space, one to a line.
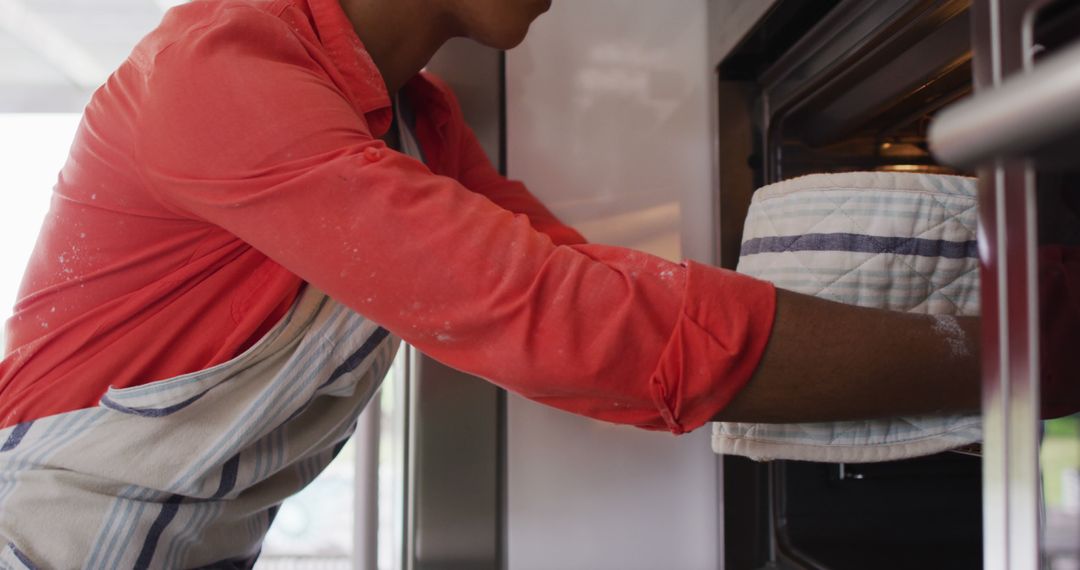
33,148
608,119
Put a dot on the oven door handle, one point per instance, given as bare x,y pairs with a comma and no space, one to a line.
1028,112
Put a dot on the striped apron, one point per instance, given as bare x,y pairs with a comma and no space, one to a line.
189,472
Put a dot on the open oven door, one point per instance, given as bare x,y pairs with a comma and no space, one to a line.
845,85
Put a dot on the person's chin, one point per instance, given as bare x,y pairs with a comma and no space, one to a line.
507,39
508,43
537,8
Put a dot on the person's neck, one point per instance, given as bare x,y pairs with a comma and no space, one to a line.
400,35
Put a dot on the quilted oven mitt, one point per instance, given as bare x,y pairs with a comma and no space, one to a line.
899,241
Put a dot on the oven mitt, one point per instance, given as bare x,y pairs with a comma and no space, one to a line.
899,241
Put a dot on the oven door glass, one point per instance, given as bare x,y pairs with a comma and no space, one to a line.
1056,27
1058,199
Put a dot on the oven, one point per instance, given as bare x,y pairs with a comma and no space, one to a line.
846,85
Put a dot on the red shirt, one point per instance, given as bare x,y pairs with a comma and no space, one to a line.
236,155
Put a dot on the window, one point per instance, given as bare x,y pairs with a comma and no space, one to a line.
33,148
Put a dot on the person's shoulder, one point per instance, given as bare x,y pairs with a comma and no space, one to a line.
204,13
225,21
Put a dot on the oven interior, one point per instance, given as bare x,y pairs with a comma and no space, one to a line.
844,85
836,86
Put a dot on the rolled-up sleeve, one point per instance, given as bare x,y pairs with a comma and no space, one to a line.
247,132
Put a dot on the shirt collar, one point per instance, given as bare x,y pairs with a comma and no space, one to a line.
365,85
430,97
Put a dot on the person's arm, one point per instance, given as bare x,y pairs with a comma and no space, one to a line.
244,130
825,360
831,361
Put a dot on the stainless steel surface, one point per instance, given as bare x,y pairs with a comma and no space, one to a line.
455,501
608,123
1010,365
366,501
393,406
1027,112
1007,242
730,21
412,406
455,458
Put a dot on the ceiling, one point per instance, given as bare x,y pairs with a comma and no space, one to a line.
54,53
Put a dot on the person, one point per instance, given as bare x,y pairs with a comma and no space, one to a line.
234,249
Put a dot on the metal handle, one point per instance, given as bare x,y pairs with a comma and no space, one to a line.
1027,112
366,501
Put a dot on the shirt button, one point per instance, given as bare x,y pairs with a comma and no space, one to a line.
372,153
